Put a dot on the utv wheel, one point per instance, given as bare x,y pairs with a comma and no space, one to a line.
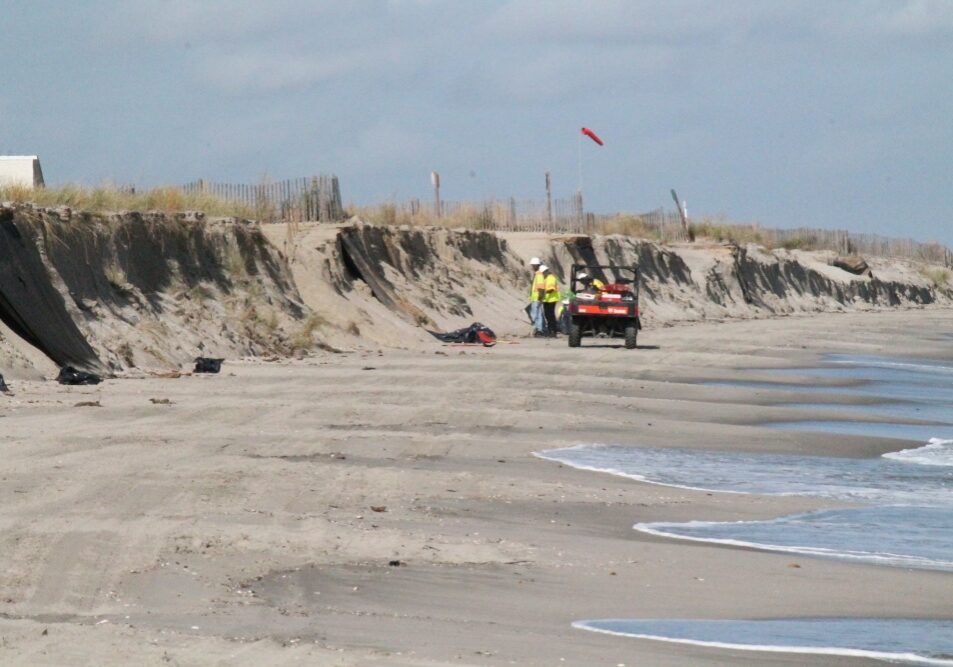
631,335
575,335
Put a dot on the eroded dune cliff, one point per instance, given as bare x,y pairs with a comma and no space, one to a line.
107,292
120,291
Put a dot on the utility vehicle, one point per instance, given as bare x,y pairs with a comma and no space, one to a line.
612,311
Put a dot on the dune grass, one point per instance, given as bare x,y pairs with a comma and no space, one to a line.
489,216
939,276
109,198
466,216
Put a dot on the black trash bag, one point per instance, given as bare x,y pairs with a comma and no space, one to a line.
475,333
3,386
69,375
208,365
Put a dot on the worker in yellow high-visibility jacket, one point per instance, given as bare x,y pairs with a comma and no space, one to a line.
590,283
549,296
535,305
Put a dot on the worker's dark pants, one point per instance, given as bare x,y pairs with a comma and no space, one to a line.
549,309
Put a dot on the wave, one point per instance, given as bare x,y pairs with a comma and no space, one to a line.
615,625
670,530
879,362
937,452
901,515
859,480
554,455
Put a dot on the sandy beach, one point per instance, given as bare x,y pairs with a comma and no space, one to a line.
385,508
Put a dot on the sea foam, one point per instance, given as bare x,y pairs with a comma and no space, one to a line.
937,452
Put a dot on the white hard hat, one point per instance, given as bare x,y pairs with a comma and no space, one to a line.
543,267
535,260
582,275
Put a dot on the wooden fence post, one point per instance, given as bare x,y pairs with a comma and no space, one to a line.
549,201
435,182
682,213
580,212
315,200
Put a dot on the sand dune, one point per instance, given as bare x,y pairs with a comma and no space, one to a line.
144,292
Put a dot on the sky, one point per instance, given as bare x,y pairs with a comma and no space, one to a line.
785,113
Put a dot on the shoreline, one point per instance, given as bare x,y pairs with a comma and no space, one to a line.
833,652
227,509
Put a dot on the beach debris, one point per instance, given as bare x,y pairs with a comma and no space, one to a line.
160,401
69,375
88,404
208,365
394,563
794,565
369,368
3,386
378,508
476,333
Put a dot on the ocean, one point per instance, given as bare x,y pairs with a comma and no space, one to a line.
902,513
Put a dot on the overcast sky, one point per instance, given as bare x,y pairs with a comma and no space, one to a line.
831,114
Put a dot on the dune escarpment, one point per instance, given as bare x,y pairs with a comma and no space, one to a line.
107,292
113,292
689,282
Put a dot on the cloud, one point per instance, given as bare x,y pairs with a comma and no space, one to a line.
252,71
898,19
569,72
210,20
284,45
915,18
631,21
386,143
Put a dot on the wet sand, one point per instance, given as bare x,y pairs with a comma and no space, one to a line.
257,518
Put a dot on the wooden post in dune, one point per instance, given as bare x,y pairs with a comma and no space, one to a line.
435,181
682,213
549,202
580,212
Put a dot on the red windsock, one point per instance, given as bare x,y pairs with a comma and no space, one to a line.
592,135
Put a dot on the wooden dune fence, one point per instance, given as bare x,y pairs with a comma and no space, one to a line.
569,216
529,215
294,200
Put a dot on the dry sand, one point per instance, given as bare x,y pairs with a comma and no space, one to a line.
231,519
